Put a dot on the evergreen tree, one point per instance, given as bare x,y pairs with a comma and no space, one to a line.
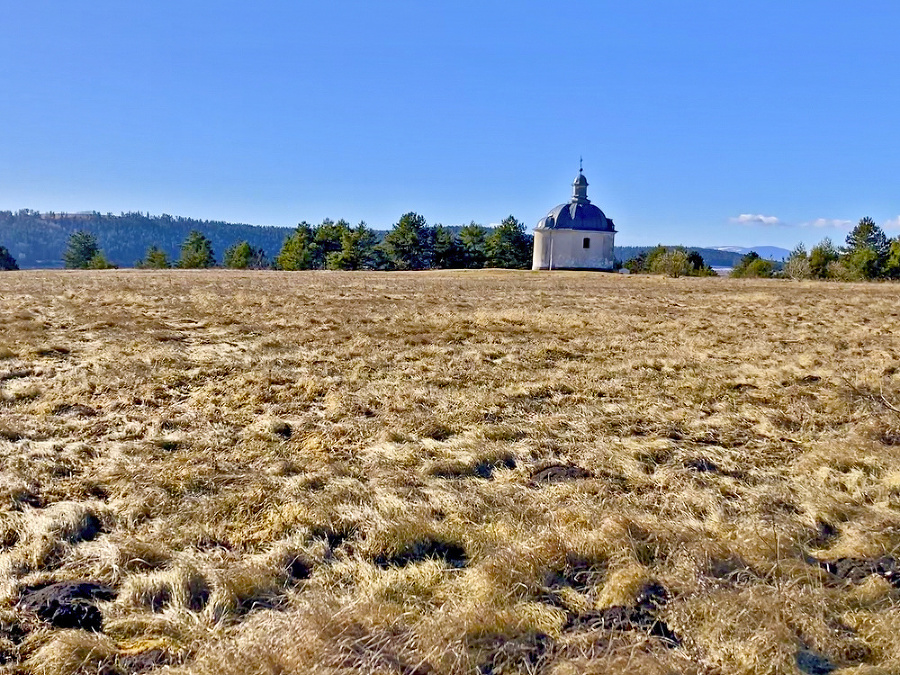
892,264
473,244
328,239
7,262
509,246
80,249
447,252
752,266
407,244
637,264
242,256
357,247
155,259
99,262
298,252
196,252
821,256
866,250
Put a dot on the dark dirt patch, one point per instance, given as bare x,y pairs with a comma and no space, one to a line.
167,444
334,537
733,570
825,534
643,616
298,569
810,379
811,663
857,570
483,469
519,654
282,429
701,465
486,467
16,374
25,497
86,529
53,351
578,573
437,432
68,604
559,473
451,553
210,543
704,465
10,435
743,386
890,438
74,410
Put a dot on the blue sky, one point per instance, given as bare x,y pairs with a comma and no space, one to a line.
700,122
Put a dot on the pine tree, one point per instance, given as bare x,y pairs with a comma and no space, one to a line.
80,249
407,244
821,256
196,252
472,241
447,252
298,250
328,238
357,248
242,256
866,250
7,262
509,246
155,259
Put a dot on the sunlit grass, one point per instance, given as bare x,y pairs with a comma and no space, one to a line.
449,472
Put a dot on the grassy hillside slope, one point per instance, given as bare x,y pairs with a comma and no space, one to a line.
492,472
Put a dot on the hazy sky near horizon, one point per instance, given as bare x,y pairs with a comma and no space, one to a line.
700,122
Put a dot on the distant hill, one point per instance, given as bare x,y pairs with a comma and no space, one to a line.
38,240
775,253
711,256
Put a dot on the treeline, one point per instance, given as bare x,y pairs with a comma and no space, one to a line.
672,261
867,253
410,245
711,256
38,240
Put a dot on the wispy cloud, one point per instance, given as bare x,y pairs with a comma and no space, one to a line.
829,222
756,219
892,224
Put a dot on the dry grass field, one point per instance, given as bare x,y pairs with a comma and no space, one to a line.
440,473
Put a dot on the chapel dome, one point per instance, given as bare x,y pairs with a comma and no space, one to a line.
578,213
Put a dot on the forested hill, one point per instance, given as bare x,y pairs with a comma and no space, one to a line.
38,240
711,256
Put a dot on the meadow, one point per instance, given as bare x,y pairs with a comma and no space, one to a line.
485,472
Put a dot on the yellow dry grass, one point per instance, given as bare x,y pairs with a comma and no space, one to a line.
256,462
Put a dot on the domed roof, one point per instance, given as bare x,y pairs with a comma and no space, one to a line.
578,214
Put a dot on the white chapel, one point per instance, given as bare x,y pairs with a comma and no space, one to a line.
574,236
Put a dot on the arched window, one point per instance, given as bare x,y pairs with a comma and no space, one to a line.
586,243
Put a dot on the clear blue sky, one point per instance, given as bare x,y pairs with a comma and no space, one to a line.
707,123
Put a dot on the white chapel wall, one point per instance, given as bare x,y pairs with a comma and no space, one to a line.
567,249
